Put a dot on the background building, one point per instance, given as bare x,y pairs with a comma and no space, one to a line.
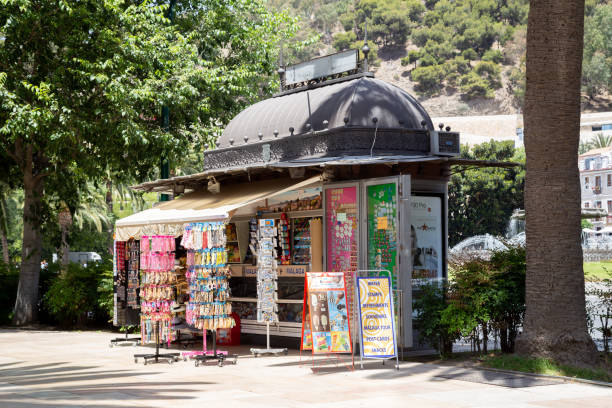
596,183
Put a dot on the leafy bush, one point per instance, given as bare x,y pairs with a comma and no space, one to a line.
372,56
442,51
495,56
343,41
9,279
412,58
469,54
484,299
427,60
429,78
457,65
490,72
429,305
79,291
473,86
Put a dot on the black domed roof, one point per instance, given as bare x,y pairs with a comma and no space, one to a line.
352,103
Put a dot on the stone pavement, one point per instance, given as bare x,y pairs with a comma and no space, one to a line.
72,369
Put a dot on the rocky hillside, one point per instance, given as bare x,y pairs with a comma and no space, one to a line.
458,57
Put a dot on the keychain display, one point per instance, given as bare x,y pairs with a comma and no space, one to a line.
207,273
267,309
157,286
133,278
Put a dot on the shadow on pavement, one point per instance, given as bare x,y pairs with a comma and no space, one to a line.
59,384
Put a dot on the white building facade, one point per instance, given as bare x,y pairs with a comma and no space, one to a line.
596,183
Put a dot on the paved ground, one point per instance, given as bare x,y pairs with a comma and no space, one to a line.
69,369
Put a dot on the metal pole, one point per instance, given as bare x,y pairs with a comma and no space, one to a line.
268,335
164,169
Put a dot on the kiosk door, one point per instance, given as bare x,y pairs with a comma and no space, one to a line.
386,237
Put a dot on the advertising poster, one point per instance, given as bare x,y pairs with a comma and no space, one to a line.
426,234
306,343
327,305
376,318
341,211
382,228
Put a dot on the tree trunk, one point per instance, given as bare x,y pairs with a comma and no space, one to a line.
5,252
555,320
65,249
27,291
4,229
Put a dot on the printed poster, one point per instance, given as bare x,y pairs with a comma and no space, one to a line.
328,309
341,211
306,343
426,234
376,318
382,228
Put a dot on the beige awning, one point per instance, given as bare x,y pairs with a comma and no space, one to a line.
170,218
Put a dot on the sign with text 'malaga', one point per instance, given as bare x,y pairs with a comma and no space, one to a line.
376,318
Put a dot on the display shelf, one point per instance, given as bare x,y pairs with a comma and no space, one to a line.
286,329
277,215
254,300
301,241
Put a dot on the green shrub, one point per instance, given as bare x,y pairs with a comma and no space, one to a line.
373,56
429,304
469,54
429,78
495,56
9,279
343,41
457,65
79,291
474,86
484,299
441,51
427,60
490,71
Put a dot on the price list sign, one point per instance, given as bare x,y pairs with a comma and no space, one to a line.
376,318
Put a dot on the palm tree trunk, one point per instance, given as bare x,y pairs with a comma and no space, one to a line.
555,320
25,310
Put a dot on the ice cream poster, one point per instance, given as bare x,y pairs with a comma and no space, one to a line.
327,306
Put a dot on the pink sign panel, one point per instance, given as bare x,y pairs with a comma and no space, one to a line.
341,224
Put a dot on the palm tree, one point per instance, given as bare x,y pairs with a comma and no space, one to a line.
600,141
555,320
92,210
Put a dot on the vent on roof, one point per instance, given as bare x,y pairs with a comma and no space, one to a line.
444,143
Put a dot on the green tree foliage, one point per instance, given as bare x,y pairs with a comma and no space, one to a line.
484,298
487,295
412,58
495,56
597,54
429,78
344,41
81,290
429,304
481,200
82,83
389,22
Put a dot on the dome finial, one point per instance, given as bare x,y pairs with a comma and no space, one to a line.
365,49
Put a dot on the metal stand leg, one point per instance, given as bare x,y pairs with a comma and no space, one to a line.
169,357
258,351
125,339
